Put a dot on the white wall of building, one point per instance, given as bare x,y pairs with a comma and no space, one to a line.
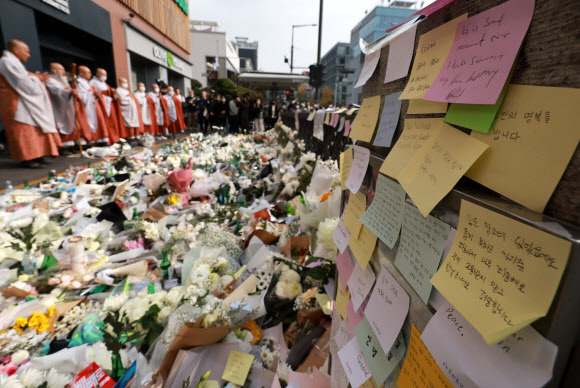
209,44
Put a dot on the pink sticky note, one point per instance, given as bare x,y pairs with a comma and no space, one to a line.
482,54
354,317
334,120
346,127
345,267
428,10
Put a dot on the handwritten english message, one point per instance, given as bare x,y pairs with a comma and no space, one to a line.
482,54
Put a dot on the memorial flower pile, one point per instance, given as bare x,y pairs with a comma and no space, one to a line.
135,266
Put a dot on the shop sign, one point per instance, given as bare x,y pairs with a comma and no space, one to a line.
168,58
61,5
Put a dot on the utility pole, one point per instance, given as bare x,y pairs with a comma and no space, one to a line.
318,64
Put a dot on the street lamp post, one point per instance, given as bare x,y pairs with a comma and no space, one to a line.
292,45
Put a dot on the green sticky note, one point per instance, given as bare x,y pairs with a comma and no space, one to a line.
478,117
420,249
380,364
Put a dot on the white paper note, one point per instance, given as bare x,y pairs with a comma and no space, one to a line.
387,309
318,131
360,284
524,359
359,168
400,55
354,363
340,124
342,334
369,67
389,120
341,235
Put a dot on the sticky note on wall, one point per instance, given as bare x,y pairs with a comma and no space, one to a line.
500,274
530,143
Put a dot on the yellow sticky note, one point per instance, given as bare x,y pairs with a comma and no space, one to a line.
357,205
238,367
325,302
438,165
420,368
531,141
421,107
366,119
364,247
342,299
327,119
432,51
346,159
500,274
415,133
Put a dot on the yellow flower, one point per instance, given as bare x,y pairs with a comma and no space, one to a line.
34,319
50,311
20,324
42,328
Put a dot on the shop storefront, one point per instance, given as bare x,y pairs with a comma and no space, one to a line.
150,61
61,31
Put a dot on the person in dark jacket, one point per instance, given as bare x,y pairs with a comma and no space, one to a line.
272,114
258,115
244,113
202,105
219,112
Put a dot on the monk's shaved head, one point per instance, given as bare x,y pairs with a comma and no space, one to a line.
19,49
101,72
140,84
15,43
85,72
55,66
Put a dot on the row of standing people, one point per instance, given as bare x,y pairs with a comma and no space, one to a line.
43,113
239,114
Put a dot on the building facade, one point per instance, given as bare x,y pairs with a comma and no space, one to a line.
128,38
213,55
371,28
334,62
248,52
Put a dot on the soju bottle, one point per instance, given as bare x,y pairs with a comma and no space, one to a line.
165,265
26,185
135,215
49,259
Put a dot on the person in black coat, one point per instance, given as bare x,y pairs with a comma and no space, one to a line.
219,111
202,108
272,114
244,112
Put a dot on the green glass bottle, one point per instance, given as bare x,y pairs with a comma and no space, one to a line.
165,264
49,259
26,185
135,215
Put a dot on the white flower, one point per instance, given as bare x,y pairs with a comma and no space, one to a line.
163,315
283,371
174,295
32,378
10,382
67,213
135,308
99,354
114,303
290,276
55,379
21,223
20,356
324,235
288,290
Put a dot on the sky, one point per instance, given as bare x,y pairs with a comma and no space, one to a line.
270,23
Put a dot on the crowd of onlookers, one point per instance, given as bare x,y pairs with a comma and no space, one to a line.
237,114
